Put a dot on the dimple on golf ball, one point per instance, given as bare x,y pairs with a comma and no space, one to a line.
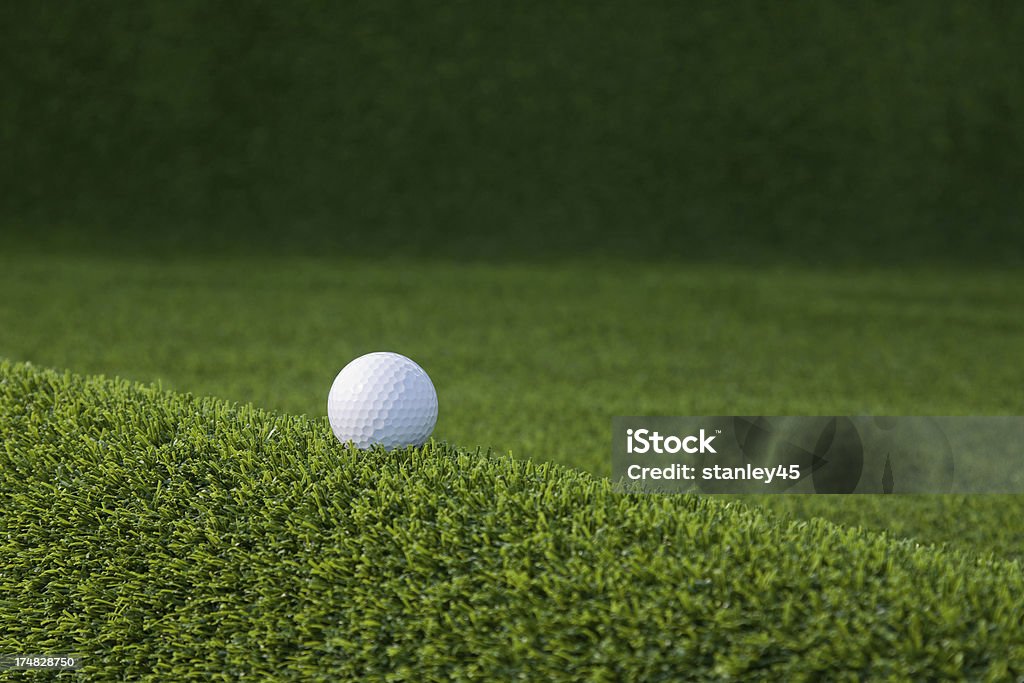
382,399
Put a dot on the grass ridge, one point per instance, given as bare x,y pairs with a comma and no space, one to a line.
167,535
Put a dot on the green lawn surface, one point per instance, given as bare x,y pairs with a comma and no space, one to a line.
536,360
563,212
529,358
172,537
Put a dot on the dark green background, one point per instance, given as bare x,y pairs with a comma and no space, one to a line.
805,132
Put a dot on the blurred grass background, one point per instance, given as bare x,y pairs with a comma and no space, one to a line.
534,359
742,132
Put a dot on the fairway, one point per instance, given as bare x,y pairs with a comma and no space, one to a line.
536,360
534,235
533,359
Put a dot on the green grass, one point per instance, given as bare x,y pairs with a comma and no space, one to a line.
536,360
563,212
981,523
178,537
863,132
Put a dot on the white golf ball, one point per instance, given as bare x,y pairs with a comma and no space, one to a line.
382,399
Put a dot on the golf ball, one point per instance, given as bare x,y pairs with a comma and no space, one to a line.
382,399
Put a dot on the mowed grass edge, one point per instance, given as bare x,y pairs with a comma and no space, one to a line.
181,537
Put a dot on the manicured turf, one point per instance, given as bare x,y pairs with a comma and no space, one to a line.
536,360
153,532
564,212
